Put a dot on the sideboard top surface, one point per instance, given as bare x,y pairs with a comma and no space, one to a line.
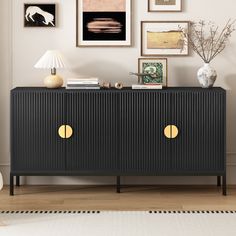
126,89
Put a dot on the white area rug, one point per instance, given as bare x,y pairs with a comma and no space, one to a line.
161,223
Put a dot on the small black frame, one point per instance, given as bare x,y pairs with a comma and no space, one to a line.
39,15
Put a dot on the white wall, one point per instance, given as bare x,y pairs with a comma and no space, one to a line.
5,83
112,64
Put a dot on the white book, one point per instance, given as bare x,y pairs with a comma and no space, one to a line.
144,86
82,85
82,82
83,78
81,88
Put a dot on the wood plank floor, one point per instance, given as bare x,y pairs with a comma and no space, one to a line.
105,198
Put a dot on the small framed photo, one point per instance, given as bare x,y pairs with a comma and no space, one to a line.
103,23
40,15
164,5
164,38
156,67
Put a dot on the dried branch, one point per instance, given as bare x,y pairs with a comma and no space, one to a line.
206,40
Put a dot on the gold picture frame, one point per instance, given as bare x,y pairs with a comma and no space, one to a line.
165,5
164,38
99,24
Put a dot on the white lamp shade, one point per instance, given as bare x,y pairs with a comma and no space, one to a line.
51,59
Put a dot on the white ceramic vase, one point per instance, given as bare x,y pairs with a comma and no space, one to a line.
206,76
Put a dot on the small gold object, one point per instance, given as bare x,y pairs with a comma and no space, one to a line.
118,85
65,131
171,131
167,131
106,85
175,131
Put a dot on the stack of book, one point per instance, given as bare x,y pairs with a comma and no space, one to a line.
82,83
146,86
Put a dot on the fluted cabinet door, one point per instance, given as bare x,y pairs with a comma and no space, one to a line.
93,148
35,117
200,145
144,149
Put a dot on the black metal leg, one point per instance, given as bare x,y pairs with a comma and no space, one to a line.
11,185
18,181
218,181
118,184
224,187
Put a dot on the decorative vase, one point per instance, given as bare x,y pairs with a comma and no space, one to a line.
206,76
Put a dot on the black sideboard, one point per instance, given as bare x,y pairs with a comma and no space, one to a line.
174,132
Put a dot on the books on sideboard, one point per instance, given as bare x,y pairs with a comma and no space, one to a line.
83,83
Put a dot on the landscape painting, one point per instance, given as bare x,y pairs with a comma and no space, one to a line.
103,23
165,2
165,5
164,38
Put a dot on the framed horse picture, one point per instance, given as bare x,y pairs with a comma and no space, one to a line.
40,15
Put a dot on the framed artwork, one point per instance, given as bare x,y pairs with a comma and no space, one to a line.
40,15
164,5
103,23
156,67
164,38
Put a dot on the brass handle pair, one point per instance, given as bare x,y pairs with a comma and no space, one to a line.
65,131
171,131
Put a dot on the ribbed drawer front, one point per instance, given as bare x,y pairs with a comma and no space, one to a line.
200,145
143,117
35,118
94,146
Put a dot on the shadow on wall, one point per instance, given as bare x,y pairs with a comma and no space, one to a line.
185,76
105,71
230,81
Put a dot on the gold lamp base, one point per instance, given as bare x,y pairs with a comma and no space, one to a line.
53,81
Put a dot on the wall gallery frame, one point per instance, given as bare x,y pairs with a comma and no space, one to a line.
39,15
164,38
103,23
155,66
164,5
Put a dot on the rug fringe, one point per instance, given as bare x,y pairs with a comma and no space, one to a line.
192,212
49,212
98,212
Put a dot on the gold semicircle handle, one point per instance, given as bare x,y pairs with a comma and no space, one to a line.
174,131
69,131
65,131
167,131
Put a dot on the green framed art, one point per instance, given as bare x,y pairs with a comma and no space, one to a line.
156,67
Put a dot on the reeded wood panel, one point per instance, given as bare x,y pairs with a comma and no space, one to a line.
35,118
143,118
200,145
94,146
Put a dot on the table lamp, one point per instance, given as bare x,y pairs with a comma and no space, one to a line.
53,60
